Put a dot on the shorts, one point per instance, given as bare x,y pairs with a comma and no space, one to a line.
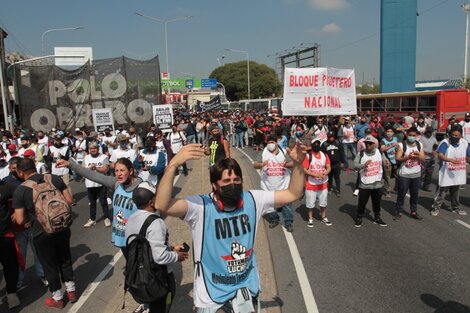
311,196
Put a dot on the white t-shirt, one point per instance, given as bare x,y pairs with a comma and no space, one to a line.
4,172
348,134
119,153
80,144
194,217
98,161
465,130
176,140
275,176
150,160
55,154
44,145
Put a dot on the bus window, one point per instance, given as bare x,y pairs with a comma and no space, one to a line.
378,105
408,104
366,104
392,104
427,103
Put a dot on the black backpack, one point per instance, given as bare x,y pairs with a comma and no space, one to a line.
146,280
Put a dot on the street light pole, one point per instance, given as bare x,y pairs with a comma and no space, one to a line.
466,9
165,22
56,30
247,67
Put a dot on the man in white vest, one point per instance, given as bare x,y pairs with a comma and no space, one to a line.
370,164
466,127
453,153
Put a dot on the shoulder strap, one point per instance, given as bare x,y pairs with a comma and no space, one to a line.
279,147
149,220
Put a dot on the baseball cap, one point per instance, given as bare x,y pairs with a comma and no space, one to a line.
11,146
315,139
331,134
369,139
143,193
77,129
467,114
29,153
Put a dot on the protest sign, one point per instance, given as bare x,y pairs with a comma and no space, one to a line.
319,91
207,106
102,119
163,116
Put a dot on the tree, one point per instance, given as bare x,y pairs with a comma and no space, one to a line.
263,80
367,89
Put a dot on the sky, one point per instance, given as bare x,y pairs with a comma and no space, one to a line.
348,32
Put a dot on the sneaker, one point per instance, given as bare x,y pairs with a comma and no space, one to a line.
273,224
310,223
356,192
358,222
289,228
460,211
139,309
109,201
50,302
107,222
435,212
326,222
380,222
13,300
44,281
415,216
71,296
90,223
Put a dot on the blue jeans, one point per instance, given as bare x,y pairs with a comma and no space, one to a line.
287,215
239,140
201,137
191,138
405,184
23,238
352,148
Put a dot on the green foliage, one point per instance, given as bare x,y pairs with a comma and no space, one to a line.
263,80
368,89
465,83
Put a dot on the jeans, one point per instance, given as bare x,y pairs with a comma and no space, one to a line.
405,184
428,169
200,137
23,237
335,173
54,253
364,195
94,194
454,197
352,148
9,263
191,138
239,140
388,172
287,215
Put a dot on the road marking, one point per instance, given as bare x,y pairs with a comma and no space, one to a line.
91,287
463,223
307,292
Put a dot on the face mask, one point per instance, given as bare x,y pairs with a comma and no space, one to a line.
411,139
454,140
271,147
108,134
316,148
299,133
149,147
216,136
467,120
230,195
95,154
363,122
123,145
389,135
25,145
57,145
428,134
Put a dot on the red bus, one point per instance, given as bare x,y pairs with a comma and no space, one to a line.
443,103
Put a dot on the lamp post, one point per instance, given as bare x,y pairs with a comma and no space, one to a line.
220,59
165,22
223,88
466,9
247,66
56,30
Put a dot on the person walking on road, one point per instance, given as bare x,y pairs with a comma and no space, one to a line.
429,143
453,153
223,225
275,175
370,164
411,155
334,150
388,146
218,147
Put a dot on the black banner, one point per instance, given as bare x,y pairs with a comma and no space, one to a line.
207,106
50,96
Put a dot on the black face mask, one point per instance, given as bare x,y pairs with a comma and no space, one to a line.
454,140
316,148
216,136
467,120
57,145
230,195
25,145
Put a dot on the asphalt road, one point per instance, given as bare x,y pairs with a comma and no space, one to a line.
409,266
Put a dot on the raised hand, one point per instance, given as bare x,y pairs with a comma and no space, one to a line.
192,151
61,163
297,153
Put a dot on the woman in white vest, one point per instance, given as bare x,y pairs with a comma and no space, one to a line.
453,153
411,155
370,164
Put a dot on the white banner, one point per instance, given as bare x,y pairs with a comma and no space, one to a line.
319,91
102,119
163,116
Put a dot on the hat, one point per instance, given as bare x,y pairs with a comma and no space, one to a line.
121,137
143,194
11,146
331,134
29,153
369,138
315,139
467,114
53,129
77,129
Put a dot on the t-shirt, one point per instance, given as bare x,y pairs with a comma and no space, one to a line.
275,176
317,165
6,192
119,153
23,198
176,139
99,161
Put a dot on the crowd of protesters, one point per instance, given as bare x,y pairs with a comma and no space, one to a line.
119,168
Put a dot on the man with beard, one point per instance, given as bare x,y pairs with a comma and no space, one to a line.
223,225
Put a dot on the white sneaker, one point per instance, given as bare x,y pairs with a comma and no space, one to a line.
13,300
310,223
89,223
44,281
107,222
356,192
109,201
326,222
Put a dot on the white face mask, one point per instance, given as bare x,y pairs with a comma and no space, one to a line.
271,147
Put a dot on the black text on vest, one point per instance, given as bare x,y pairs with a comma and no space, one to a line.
231,226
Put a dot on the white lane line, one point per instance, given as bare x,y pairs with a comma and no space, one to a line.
307,293
91,287
463,223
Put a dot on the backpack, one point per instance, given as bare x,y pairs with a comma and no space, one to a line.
53,212
146,280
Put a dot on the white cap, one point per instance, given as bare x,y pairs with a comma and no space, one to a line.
148,186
